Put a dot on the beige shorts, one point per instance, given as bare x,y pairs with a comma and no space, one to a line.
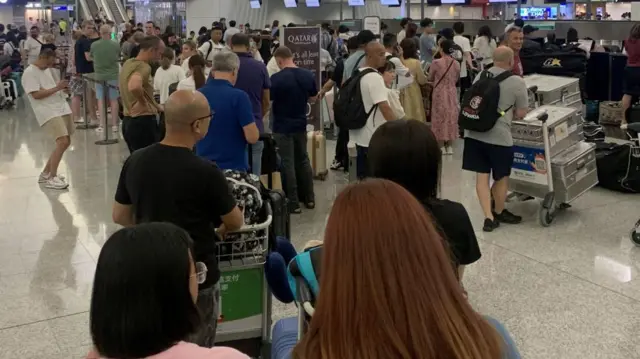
59,126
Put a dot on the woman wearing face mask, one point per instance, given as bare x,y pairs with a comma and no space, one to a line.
389,75
144,292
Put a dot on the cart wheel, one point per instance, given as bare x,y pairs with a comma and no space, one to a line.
635,234
545,216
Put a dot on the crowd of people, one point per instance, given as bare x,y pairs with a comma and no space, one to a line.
195,108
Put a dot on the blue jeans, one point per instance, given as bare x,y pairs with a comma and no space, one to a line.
256,157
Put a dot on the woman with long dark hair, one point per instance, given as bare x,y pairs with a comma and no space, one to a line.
197,77
144,293
484,45
419,173
444,73
411,95
394,294
631,84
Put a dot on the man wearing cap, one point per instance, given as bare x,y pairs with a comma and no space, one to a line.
517,23
355,60
528,42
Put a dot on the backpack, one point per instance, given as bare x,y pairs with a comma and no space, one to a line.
348,107
618,167
209,51
479,108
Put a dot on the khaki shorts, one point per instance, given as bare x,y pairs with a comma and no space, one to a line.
59,126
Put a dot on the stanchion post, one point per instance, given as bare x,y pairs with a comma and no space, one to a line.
105,114
85,108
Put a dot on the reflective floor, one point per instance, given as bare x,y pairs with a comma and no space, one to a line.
568,291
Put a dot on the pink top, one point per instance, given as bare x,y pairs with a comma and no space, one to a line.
184,350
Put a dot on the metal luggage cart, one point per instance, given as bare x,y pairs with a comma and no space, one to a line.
245,304
635,151
556,178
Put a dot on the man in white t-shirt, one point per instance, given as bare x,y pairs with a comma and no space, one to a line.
211,47
32,45
52,112
465,45
232,30
374,94
403,33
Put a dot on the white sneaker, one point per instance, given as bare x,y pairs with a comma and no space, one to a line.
115,128
449,150
45,177
56,183
79,120
443,150
99,129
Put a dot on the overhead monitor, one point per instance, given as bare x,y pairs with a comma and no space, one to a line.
255,4
356,2
313,3
390,2
509,1
453,1
290,3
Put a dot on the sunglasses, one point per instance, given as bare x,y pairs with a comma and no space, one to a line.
201,272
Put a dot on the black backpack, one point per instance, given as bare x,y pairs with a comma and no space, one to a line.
479,108
348,107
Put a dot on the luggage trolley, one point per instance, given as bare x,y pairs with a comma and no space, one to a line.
244,320
550,160
635,151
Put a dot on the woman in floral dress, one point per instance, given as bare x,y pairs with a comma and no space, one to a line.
444,74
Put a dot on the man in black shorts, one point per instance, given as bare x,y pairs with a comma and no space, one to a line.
491,152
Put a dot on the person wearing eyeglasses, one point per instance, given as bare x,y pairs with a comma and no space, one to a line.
143,302
234,126
167,182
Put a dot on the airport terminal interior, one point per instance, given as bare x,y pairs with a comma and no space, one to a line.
567,291
570,290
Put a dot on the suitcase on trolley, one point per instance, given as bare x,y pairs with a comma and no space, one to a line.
556,90
317,151
574,171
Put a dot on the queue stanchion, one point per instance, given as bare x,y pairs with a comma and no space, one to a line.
104,114
85,110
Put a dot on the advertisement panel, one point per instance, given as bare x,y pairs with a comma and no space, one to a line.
529,165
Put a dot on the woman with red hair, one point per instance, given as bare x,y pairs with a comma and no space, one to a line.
387,288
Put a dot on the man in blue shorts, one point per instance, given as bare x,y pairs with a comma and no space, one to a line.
491,152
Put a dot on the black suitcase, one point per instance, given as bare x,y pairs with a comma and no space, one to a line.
281,223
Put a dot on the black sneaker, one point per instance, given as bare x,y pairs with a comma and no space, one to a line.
507,217
490,225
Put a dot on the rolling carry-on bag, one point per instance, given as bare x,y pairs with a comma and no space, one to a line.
281,221
317,151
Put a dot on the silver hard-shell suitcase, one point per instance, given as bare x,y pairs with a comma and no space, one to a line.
556,90
564,126
574,171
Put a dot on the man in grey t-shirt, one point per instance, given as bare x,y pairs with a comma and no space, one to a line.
427,41
491,152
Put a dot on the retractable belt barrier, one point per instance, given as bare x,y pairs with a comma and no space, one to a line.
105,97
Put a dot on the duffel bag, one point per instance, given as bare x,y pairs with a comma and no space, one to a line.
618,167
559,63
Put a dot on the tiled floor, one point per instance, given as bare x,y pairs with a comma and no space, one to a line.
568,291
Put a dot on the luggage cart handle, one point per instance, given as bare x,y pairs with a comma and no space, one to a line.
631,126
543,117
